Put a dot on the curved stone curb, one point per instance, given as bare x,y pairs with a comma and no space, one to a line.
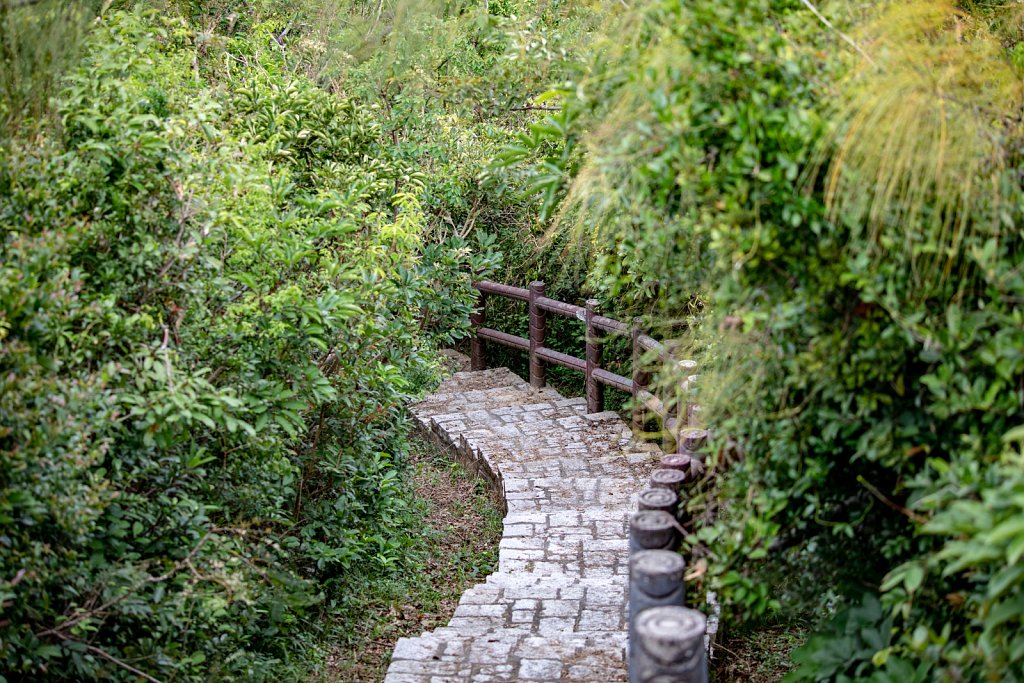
556,608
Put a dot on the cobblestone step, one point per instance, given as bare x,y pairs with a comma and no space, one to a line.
591,543
497,388
512,655
556,608
541,604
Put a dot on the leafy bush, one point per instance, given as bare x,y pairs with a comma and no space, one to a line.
38,40
215,296
860,327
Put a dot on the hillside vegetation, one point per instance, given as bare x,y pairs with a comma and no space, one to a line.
839,206
218,292
236,233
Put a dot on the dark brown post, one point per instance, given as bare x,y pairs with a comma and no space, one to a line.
668,645
477,360
687,367
538,326
659,498
682,403
677,461
681,421
639,378
668,479
653,530
668,436
595,390
655,580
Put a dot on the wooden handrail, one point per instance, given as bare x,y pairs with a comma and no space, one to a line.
507,291
502,338
568,310
597,378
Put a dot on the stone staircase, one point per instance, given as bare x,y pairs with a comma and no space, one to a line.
556,608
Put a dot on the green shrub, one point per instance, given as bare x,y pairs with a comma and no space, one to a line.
859,326
215,297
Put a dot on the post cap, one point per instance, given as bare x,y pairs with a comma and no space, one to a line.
658,499
672,636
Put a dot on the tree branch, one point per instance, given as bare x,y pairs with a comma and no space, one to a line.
60,629
846,38
124,665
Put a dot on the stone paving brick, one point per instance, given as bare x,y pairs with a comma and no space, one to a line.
556,608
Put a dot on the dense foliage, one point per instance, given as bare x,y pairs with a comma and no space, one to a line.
215,296
847,225
234,234
462,86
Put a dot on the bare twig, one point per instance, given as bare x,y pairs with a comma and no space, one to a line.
898,508
181,563
124,665
467,226
60,629
530,107
849,41
279,38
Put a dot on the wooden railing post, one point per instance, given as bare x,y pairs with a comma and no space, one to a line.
639,417
595,390
538,327
672,404
685,402
477,360
655,580
668,645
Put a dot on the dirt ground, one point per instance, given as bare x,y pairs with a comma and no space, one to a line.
461,532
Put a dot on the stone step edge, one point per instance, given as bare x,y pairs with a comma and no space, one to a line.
445,634
566,408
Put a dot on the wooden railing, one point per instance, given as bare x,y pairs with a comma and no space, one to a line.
674,419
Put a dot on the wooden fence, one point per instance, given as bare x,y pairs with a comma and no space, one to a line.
596,327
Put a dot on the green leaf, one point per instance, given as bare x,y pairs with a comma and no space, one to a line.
1015,550
1004,579
913,577
48,651
1011,528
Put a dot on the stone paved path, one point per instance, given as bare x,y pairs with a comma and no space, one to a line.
556,608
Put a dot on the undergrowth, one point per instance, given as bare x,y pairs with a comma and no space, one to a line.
456,546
